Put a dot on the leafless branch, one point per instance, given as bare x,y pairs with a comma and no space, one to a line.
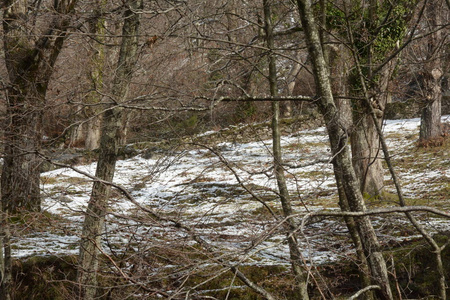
177,224
377,211
362,291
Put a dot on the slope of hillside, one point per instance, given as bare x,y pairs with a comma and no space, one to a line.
222,193
202,187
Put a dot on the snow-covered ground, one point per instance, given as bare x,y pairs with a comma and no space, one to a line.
196,187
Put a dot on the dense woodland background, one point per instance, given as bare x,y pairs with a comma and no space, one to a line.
85,81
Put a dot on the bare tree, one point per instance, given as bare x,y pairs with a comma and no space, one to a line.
430,77
33,37
295,254
112,128
89,130
376,29
30,54
341,155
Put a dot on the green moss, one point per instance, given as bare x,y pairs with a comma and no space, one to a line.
275,279
244,111
415,267
44,277
48,180
34,220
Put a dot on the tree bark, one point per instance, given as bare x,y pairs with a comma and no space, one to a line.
294,251
5,257
88,130
291,77
363,264
93,133
93,125
338,59
430,122
366,151
109,144
342,163
364,137
431,76
29,63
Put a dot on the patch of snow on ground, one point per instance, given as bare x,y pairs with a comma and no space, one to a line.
196,185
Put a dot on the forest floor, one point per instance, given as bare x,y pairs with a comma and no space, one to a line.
221,184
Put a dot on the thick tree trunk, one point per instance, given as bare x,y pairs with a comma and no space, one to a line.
365,141
342,162
29,62
430,122
364,138
93,134
112,128
30,65
366,153
21,166
430,79
294,251
98,28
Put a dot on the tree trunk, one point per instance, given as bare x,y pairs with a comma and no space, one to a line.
29,62
90,121
93,133
431,77
366,151
5,257
109,144
430,122
98,28
365,141
338,59
364,137
342,162
295,254
286,106
30,65
363,264
21,167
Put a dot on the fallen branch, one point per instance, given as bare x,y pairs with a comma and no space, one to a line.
377,211
360,292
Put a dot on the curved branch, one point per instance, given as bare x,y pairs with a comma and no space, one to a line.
377,211
360,292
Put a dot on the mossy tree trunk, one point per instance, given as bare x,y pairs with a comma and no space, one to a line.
89,120
364,139
342,163
338,61
375,35
29,60
366,152
294,251
30,66
111,133
92,126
